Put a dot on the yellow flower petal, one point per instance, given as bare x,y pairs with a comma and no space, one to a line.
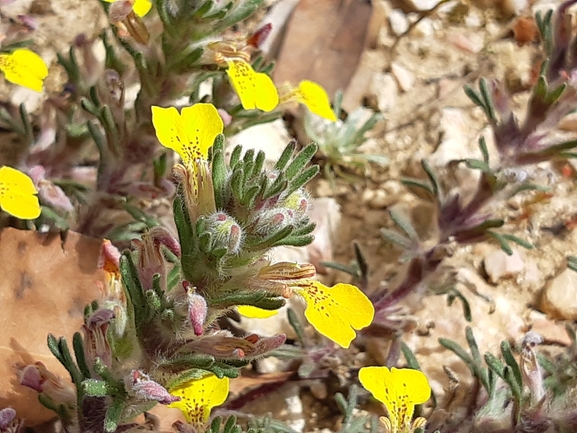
190,134
336,312
24,67
255,89
316,99
199,396
142,7
398,389
17,194
254,312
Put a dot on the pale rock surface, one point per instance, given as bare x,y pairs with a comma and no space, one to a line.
422,5
377,198
398,21
385,89
492,323
559,298
270,137
457,143
404,77
551,331
499,264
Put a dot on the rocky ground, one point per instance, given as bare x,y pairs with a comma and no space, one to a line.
411,65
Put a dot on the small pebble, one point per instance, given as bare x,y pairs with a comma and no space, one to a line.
404,77
398,21
499,265
559,298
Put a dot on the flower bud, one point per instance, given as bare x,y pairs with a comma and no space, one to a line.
96,344
48,192
273,220
150,258
8,421
530,368
226,232
109,258
197,312
141,386
263,345
37,377
128,23
298,201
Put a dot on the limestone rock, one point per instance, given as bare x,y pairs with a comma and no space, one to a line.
398,21
499,264
559,298
270,137
385,89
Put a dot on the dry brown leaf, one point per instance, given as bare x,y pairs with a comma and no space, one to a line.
324,42
45,286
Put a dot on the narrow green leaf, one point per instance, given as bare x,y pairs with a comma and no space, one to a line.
474,96
410,357
78,346
300,161
302,179
487,99
54,347
511,380
519,241
456,294
235,156
432,177
484,149
297,326
457,350
285,156
502,241
510,360
473,344
495,364
396,239
404,224
419,184
113,414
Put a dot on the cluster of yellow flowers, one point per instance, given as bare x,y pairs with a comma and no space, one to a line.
398,389
334,312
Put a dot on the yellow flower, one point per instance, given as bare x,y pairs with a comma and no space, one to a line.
18,194
191,133
313,96
199,396
140,7
399,390
255,312
24,67
255,89
336,312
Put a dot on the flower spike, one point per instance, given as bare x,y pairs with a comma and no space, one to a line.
24,67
